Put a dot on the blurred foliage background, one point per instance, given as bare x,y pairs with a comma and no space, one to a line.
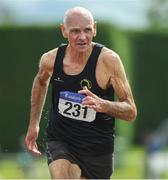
144,55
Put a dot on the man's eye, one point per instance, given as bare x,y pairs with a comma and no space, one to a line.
75,31
88,30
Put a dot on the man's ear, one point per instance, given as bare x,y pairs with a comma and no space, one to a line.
95,28
63,30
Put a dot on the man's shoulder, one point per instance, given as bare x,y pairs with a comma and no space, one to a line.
50,54
48,58
109,56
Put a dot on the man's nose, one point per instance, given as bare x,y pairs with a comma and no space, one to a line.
82,36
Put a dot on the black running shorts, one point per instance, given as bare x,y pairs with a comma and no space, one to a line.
92,167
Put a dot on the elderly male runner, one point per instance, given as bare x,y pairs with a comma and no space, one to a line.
84,76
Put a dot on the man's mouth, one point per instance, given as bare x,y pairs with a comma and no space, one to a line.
81,44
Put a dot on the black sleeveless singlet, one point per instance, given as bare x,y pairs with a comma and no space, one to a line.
93,138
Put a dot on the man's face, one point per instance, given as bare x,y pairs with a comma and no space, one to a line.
80,31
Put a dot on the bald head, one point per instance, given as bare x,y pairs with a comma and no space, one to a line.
77,12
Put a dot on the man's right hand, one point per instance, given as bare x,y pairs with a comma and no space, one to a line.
30,140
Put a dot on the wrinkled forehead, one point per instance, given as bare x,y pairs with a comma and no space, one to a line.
75,18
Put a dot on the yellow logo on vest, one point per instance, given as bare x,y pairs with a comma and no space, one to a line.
86,82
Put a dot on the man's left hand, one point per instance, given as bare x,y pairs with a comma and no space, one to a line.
92,101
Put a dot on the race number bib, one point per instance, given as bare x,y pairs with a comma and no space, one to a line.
70,105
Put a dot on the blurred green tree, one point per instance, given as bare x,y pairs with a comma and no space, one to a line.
7,16
157,14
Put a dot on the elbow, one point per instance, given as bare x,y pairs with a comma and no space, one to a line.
42,83
132,114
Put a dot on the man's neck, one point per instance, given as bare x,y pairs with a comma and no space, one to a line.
79,57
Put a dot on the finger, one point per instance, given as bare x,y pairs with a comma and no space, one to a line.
88,98
86,92
31,145
88,101
35,150
28,144
85,87
92,106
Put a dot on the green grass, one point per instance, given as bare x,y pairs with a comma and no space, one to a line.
12,167
131,166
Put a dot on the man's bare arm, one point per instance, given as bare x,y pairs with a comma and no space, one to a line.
124,108
39,92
